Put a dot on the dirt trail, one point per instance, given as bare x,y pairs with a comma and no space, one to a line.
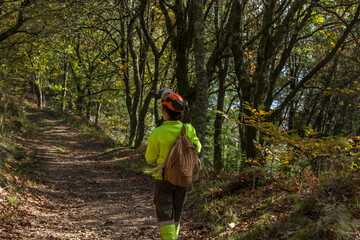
84,196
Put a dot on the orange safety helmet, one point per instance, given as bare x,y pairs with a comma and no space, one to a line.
175,102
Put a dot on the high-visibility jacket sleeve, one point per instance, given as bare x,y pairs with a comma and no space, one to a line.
191,133
152,151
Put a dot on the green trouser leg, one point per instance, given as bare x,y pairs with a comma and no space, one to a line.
177,229
169,201
168,232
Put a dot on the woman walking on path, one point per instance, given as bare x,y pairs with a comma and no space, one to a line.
169,199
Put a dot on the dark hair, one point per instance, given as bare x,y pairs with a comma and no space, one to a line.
173,115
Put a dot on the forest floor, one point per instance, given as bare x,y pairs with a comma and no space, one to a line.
77,191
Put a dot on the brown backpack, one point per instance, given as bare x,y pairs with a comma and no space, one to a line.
181,166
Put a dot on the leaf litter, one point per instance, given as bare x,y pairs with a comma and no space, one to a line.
78,192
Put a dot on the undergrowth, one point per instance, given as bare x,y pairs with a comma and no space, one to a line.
15,161
298,188
129,159
260,202
325,207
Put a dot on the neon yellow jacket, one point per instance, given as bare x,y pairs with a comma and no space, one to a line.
162,139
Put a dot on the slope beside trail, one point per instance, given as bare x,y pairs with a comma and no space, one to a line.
80,193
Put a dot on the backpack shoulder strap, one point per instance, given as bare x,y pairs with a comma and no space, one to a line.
163,166
183,130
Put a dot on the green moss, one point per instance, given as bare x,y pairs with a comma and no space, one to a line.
304,233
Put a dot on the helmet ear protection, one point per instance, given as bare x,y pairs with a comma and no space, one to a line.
186,104
166,92
175,102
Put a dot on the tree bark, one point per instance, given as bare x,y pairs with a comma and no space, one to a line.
19,22
136,78
98,110
37,84
64,86
246,84
157,55
201,106
219,118
181,34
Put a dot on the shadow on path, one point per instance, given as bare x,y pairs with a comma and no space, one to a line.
84,196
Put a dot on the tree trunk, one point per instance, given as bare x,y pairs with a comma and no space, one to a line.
201,106
136,98
98,110
181,33
218,141
145,108
20,20
64,86
247,85
38,90
125,74
40,97
88,105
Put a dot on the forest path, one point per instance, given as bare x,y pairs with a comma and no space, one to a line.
84,194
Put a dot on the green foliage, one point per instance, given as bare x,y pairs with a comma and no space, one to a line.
284,152
13,200
9,112
130,160
13,121
134,164
13,158
29,128
87,59
338,219
296,215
